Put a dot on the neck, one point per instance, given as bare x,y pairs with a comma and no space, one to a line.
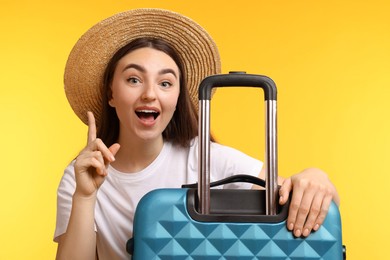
136,154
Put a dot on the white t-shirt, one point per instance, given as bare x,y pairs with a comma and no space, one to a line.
120,193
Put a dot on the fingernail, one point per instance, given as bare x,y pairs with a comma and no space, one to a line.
306,232
297,233
291,226
316,227
112,158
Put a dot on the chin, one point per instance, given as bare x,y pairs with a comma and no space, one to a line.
150,137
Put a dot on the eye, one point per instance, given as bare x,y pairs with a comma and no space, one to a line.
166,84
133,80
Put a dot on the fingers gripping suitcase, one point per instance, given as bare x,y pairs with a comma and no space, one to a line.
204,223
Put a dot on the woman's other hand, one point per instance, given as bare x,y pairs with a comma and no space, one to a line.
312,195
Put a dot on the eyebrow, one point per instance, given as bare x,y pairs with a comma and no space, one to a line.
143,70
167,71
134,66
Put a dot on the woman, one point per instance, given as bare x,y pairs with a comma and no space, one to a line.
144,67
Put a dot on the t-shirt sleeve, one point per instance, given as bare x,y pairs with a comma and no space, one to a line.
65,192
227,161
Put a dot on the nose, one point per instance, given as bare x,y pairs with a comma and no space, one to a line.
149,93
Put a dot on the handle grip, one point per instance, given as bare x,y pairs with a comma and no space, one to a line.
231,179
237,79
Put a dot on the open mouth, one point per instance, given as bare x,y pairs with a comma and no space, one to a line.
147,115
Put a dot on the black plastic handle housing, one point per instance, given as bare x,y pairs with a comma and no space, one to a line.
237,79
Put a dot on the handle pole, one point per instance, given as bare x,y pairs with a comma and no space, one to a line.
204,157
271,156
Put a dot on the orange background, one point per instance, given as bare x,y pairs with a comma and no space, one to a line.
329,59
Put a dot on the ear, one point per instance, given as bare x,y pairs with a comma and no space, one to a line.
111,102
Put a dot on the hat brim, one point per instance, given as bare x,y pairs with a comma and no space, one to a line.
89,57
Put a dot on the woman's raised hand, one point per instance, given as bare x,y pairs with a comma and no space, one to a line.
92,162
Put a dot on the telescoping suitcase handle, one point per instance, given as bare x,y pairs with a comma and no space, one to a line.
238,79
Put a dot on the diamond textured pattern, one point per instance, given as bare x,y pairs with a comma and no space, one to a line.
164,230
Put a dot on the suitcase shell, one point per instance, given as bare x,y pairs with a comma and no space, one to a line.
163,229
184,223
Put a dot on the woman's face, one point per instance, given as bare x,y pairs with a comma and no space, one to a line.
145,89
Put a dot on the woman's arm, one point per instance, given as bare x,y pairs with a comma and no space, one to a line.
79,241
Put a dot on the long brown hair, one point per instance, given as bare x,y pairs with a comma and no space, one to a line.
183,126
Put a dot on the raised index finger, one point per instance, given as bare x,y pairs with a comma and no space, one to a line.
91,127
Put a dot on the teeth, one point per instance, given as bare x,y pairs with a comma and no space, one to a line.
146,111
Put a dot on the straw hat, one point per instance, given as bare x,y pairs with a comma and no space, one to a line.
89,57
